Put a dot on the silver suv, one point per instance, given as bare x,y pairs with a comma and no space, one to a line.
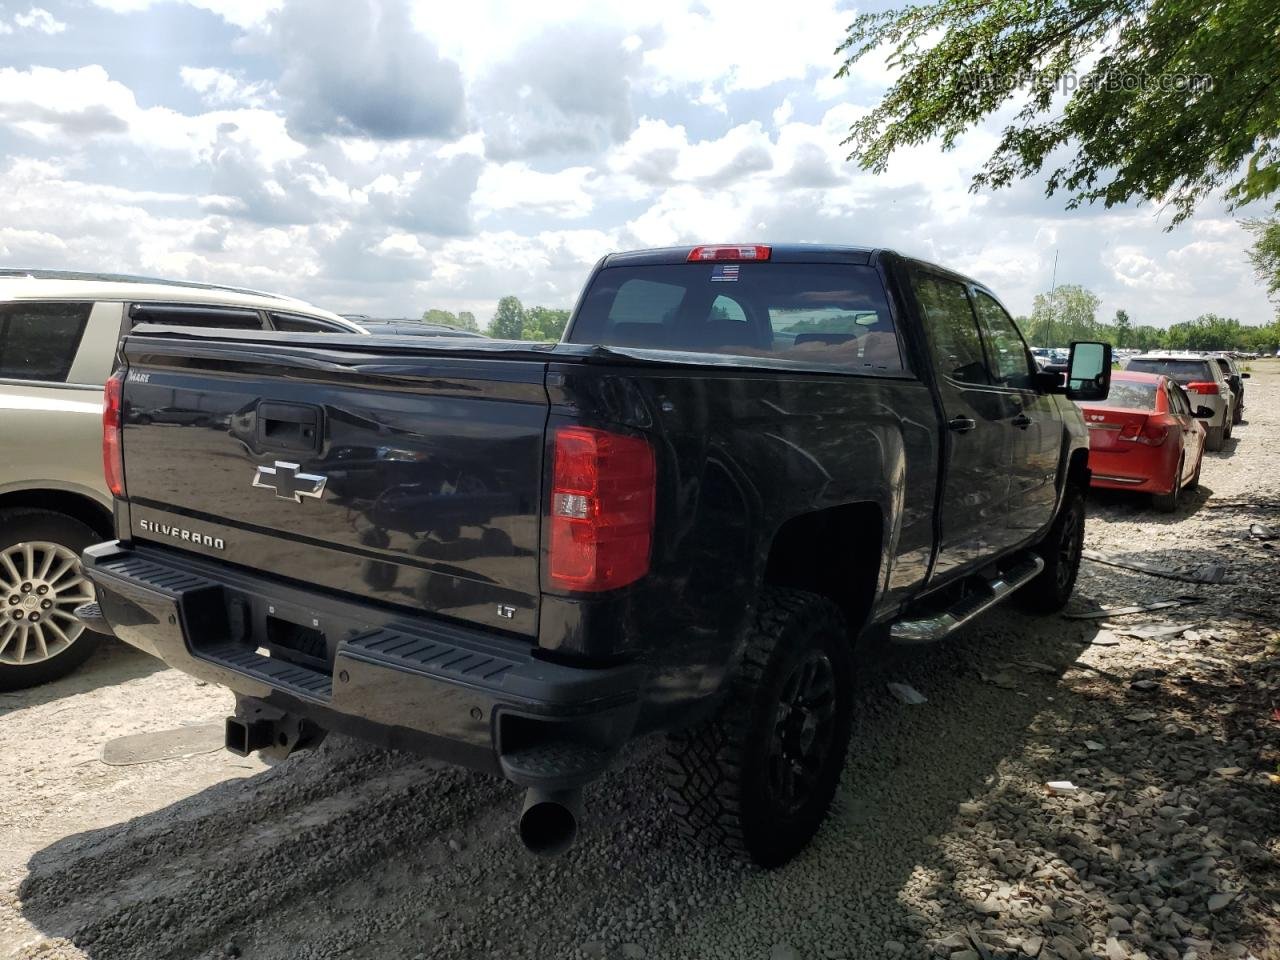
1205,383
58,336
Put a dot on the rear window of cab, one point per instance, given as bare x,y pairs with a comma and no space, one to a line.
815,316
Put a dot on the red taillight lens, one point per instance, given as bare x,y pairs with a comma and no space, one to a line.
602,493
732,252
112,455
1206,387
1145,431
1154,434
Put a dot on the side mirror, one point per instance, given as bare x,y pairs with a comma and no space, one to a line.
1245,376
1089,371
1204,413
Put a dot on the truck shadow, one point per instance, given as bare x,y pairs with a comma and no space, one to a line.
358,852
112,663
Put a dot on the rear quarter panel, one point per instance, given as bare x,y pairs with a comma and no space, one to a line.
740,453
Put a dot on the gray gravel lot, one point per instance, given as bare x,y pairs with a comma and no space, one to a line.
942,842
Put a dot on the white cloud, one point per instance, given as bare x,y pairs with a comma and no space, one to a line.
36,19
73,107
1134,269
222,88
517,187
241,13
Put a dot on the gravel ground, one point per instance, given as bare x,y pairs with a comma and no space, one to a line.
942,841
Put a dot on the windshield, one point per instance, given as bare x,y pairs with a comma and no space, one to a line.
816,315
1184,371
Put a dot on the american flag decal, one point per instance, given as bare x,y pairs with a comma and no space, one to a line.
725,272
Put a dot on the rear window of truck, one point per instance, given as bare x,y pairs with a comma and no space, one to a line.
38,341
1184,371
822,316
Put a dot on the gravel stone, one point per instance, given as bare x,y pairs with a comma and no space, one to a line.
1220,901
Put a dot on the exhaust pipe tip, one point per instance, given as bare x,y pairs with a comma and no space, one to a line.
549,820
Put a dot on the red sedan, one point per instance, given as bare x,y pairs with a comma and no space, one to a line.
1145,437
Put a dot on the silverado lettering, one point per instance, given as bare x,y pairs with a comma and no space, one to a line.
739,463
181,533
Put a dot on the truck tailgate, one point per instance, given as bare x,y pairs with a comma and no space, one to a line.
406,476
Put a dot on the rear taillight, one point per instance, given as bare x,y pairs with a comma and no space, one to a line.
112,455
1144,431
731,252
1206,387
602,494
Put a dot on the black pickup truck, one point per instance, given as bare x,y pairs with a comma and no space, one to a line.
517,557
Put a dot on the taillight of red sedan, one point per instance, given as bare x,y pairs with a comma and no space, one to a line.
1153,432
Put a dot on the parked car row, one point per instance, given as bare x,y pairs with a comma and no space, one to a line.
1164,411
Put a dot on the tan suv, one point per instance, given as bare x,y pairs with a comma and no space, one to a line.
58,336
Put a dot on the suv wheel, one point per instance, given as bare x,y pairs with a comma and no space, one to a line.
41,584
1060,550
1214,438
757,778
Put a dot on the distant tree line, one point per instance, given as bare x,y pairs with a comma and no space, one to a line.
466,320
1070,311
512,321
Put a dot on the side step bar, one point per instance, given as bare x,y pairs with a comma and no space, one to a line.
934,628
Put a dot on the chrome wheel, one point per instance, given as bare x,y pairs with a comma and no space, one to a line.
41,584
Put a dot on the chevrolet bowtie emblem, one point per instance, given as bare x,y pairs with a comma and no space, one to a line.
288,483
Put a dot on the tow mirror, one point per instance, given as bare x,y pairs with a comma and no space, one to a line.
1204,413
1089,371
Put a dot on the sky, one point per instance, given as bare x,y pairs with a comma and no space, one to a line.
390,157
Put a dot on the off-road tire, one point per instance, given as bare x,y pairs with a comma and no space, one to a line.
20,526
1060,550
1168,502
718,773
1214,437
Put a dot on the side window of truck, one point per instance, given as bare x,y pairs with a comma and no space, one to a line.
1011,361
952,328
38,341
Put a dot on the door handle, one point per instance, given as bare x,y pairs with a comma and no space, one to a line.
961,424
1023,421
